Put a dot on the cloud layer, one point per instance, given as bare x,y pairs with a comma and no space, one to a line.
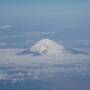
39,67
5,27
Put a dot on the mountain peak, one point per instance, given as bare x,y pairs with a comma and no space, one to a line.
47,47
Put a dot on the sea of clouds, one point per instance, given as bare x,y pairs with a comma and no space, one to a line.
15,68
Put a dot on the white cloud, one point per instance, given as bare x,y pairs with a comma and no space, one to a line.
38,33
39,67
5,27
28,34
12,36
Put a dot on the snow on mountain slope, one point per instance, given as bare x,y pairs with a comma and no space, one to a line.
47,47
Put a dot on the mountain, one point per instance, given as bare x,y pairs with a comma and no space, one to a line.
49,48
76,52
45,47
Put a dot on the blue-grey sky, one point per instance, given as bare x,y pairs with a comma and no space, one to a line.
67,19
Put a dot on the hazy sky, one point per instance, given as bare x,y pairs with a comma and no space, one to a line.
70,18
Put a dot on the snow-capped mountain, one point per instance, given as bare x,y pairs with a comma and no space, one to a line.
47,47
